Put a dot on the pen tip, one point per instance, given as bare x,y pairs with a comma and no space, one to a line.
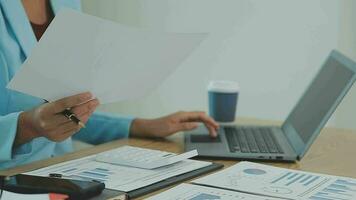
81,124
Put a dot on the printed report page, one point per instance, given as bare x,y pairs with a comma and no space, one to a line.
118,177
196,192
281,183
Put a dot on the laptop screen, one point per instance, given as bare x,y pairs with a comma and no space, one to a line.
320,98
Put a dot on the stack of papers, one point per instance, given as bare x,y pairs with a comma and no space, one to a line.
117,177
196,192
142,157
12,196
247,180
80,53
282,183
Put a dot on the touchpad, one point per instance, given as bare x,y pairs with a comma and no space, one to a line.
204,139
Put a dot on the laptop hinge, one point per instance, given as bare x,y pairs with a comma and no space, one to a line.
293,139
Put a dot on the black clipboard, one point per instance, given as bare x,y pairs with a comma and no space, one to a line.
173,180
108,193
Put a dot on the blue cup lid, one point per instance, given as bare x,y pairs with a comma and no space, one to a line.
223,86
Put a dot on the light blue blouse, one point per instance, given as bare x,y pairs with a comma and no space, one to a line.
16,41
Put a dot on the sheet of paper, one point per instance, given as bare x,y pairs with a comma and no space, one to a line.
142,157
12,196
196,192
80,52
118,177
283,183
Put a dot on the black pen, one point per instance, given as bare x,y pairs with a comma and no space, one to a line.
71,116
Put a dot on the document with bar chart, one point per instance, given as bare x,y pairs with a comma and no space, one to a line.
281,183
196,192
118,177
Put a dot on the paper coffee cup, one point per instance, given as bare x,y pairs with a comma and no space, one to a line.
223,96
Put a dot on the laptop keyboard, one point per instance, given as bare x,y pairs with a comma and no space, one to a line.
252,140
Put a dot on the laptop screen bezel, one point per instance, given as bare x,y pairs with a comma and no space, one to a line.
294,138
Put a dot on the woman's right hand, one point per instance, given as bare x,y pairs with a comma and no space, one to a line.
47,120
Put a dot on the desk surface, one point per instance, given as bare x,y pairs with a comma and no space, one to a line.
332,153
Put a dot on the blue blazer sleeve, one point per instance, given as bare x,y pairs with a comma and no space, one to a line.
104,127
8,129
8,122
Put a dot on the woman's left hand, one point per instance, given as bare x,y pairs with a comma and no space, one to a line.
168,125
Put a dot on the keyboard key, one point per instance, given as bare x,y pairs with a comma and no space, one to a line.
243,141
231,141
251,141
280,150
236,143
269,141
260,141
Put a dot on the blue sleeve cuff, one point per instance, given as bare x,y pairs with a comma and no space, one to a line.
8,129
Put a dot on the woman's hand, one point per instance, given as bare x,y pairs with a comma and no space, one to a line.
47,120
165,126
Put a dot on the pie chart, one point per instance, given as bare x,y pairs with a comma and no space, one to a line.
204,196
254,171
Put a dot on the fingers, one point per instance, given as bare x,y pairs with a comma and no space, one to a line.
187,126
48,121
199,116
57,120
65,135
63,129
84,117
210,124
212,130
83,113
69,102
85,108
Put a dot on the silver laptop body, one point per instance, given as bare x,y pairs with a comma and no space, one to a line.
291,141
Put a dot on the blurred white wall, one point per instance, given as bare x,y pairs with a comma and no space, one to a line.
345,115
272,48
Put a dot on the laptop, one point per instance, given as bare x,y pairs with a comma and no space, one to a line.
292,140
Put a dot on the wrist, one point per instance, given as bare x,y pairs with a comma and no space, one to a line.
25,130
139,128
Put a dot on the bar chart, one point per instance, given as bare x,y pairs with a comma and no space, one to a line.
198,192
340,189
292,178
204,196
98,174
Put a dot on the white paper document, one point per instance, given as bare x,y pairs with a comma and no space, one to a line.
196,192
117,177
142,157
282,183
80,53
16,196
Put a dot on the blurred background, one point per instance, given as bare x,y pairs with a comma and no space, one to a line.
271,48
